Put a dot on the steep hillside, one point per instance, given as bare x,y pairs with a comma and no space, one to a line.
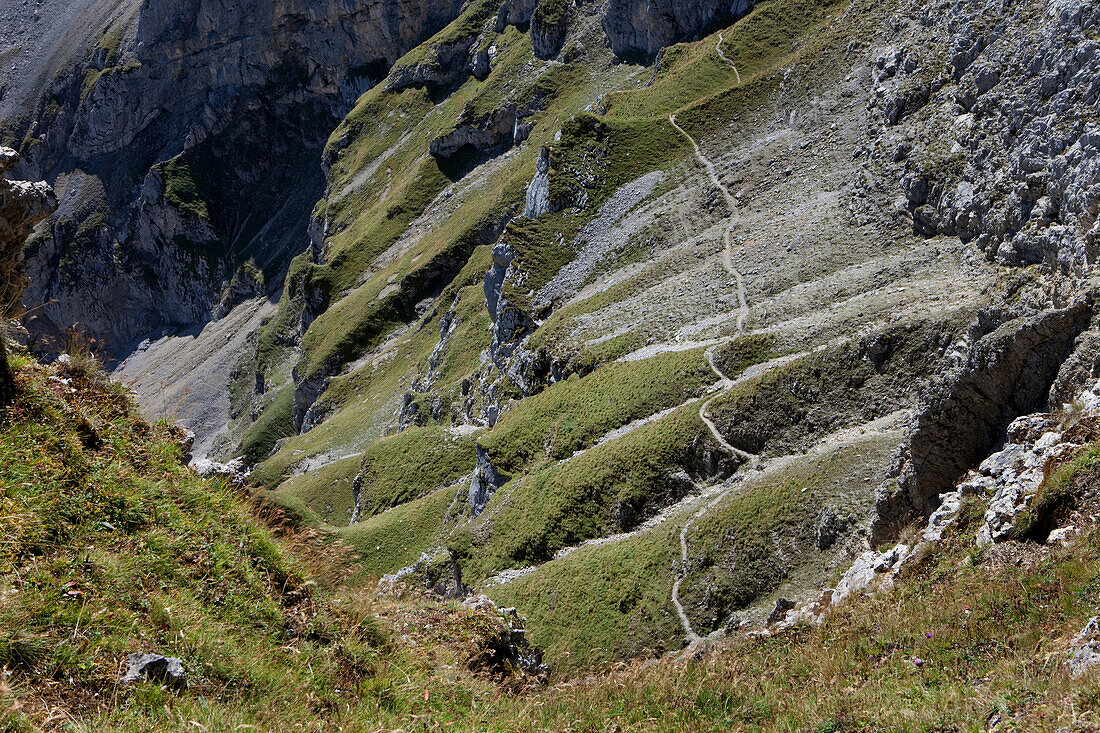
649,319
643,349
111,548
184,141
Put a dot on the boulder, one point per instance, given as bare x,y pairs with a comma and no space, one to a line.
155,668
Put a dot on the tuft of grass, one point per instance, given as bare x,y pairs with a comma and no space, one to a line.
181,188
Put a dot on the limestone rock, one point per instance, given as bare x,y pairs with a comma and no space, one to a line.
501,129
1085,654
538,191
155,668
1033,198
644,27
485,482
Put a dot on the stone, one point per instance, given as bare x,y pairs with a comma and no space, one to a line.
828,529
485,482
235,472
945,514
1061,536
168,671
782,606
1085,650
538,191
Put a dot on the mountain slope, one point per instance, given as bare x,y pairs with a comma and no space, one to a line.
644,319
272,635
661,301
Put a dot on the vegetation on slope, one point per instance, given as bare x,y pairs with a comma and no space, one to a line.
573,414
111,546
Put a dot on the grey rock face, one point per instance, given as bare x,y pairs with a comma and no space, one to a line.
1007,373
515,12
155,668
501,129
246,91
446,65
538,191
644,27
510,324
22,205
997,124
485,483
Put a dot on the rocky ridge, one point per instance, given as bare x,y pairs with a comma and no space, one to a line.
150,170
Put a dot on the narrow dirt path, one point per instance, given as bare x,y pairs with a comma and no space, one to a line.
725,382
718,50
727,261
693,638
731,202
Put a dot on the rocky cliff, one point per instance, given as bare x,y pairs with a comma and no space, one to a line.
184,140
22,205
642,27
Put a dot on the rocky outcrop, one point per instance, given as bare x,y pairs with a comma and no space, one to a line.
998,128
1006,373
501,129
538,191
247,92
644,27
515,12
1085,650
22,205
444,66
510,324
485,483
549,26
512,652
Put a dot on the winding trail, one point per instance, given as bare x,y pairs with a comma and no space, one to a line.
693,638
725,383
724,57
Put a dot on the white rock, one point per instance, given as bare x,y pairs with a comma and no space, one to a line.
1062,535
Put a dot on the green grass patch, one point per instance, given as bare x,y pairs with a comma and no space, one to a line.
408,465
181,187
326,491
573,414
396,538
600,604
274,423
610,488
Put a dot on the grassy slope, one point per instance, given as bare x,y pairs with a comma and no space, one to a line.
991,638
572,415
172,563
609,488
